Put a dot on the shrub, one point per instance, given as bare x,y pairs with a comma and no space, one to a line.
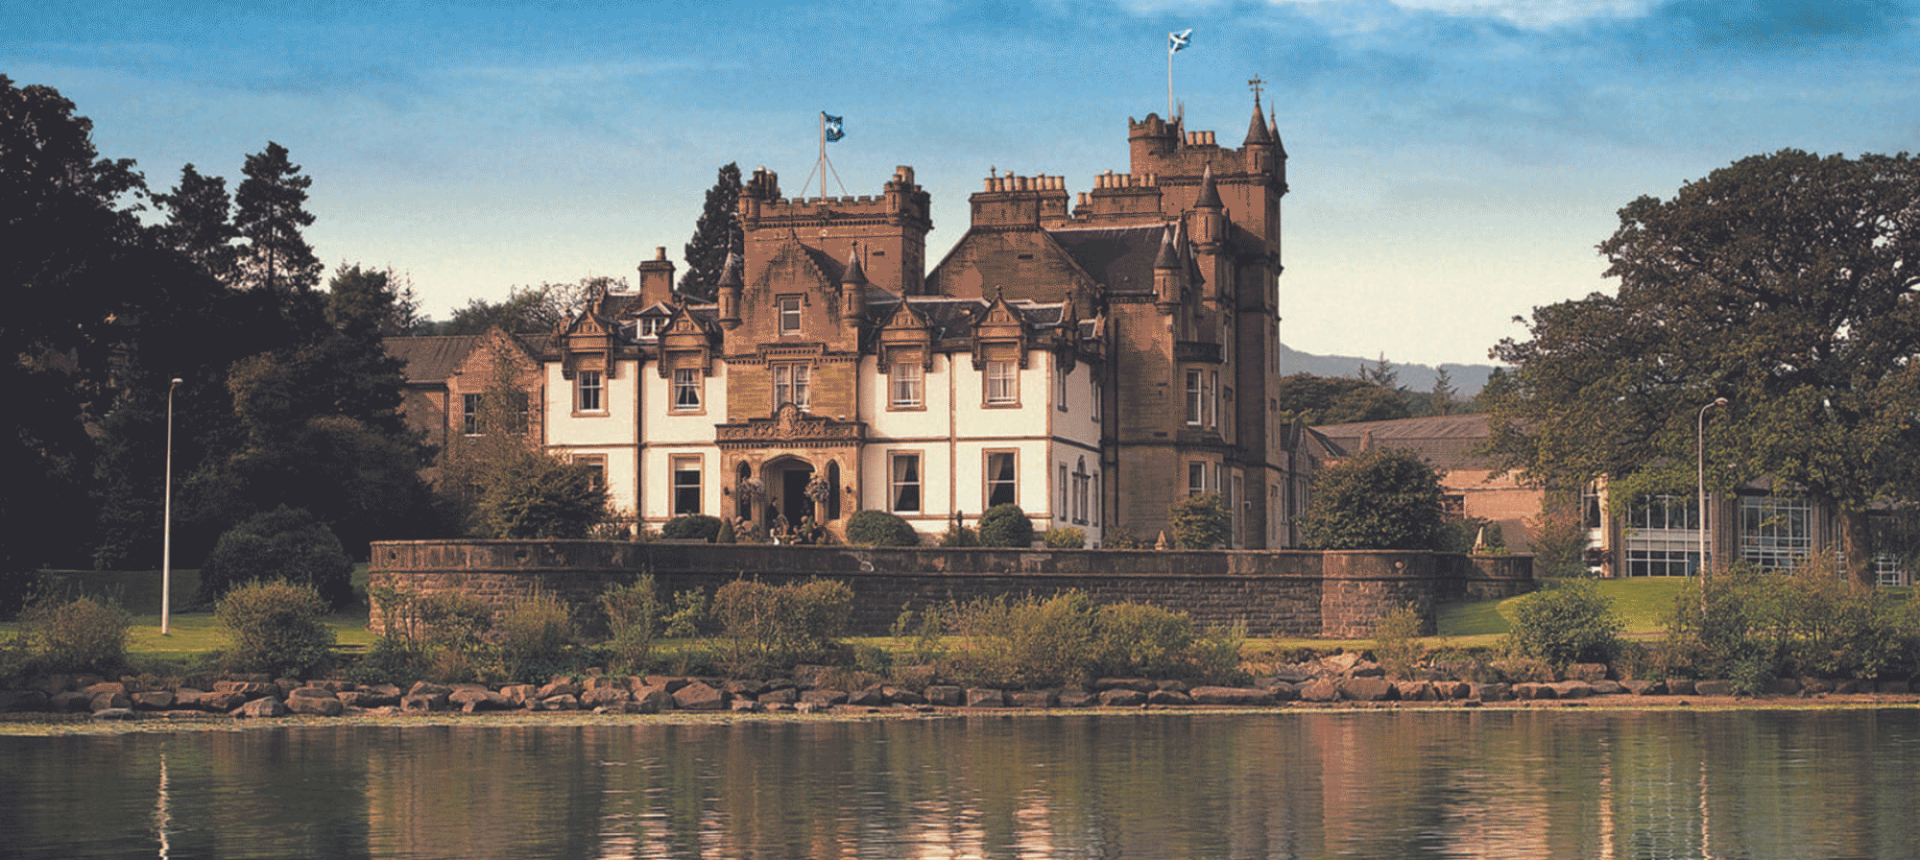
532,494
1065,537
880,528
1026,643
1759,625
771,627
1393,642
958,535
1200,521
691,527
536,635
725,534
919,634
1141,639
77,635
278,627
634,618
1006,525
1568,622
284,543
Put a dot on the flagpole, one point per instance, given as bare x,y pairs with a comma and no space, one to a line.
1170,50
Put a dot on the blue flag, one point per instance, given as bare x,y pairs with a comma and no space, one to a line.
834,130
1177,41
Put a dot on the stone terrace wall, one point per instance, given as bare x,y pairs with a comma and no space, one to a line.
1272,593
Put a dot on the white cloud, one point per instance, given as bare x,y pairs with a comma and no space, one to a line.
1533,14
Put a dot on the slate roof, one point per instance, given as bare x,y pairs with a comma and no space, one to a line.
1119,257
427,360
1443,441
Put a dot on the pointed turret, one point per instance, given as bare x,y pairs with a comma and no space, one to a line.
1209,195
1262,144
853,289
1209,217
1167,271
1257,131
729,287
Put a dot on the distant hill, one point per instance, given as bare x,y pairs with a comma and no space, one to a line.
1468,379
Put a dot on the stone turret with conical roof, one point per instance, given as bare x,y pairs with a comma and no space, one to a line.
853,290
1167,271
729,287
1209,215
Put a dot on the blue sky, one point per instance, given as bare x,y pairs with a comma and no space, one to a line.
1453,162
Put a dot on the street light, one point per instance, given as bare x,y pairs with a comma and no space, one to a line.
166,522
1700,444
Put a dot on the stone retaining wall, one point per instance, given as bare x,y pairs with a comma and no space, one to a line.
1289,593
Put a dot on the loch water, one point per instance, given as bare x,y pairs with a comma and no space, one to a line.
1521,783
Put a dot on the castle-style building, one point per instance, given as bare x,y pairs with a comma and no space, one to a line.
1092,357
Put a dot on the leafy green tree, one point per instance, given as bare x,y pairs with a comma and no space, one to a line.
717,232
527,310
1783,283
1200,521
284,543
1320,400
539,495
272,202
1382,499
364,301
1442,398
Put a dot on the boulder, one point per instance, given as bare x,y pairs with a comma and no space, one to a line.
1713,688
823,698
1416,691
1076,698
903,696
1141,684
653,700
518,695
1240,696
438,693
1781,687
981,697
265,706
1285,691
1571,689
222,701
108,700
699,697
1321,690
946,696
782,696
1489,692
562,702
154,700
1367,689
1530,691
475,701
808,676
1031,699
1815,686
1453,690
23,700
105,687
1640,687
606,696
563,687
1680,686
330,706
1607,688
870,697
413,704
1169,697
671,684
1121,697
247,689
1588,672
1846,687
1900,687
744,705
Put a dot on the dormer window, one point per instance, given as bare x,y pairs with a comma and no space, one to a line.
789,308
651,326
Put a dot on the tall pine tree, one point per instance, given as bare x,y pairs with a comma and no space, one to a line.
272,201
717,232
200,222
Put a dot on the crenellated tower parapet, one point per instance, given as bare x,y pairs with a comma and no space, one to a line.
891,226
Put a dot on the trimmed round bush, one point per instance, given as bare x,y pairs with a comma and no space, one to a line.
880,528
1006,525
278,627
284,543
691,527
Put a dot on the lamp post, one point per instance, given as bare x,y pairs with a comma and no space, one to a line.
1700,445
166,522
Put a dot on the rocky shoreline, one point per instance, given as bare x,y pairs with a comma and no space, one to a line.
1341,678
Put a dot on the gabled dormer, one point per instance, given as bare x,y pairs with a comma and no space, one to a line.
999,335
687,342
588,342
905,337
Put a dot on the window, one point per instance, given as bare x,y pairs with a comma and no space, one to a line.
1093,506
1194,396
789,307
1002,478
907,382
1059,388
1212,403
1664,513
1196,478
686,388
790,385
1093,394
686,485
651,326
1233,508
470,414
587,388
1003,383
1060,510
904,483
1774,532
1081,481
596,471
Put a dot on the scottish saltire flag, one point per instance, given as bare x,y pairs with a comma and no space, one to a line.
834,131
1177,41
